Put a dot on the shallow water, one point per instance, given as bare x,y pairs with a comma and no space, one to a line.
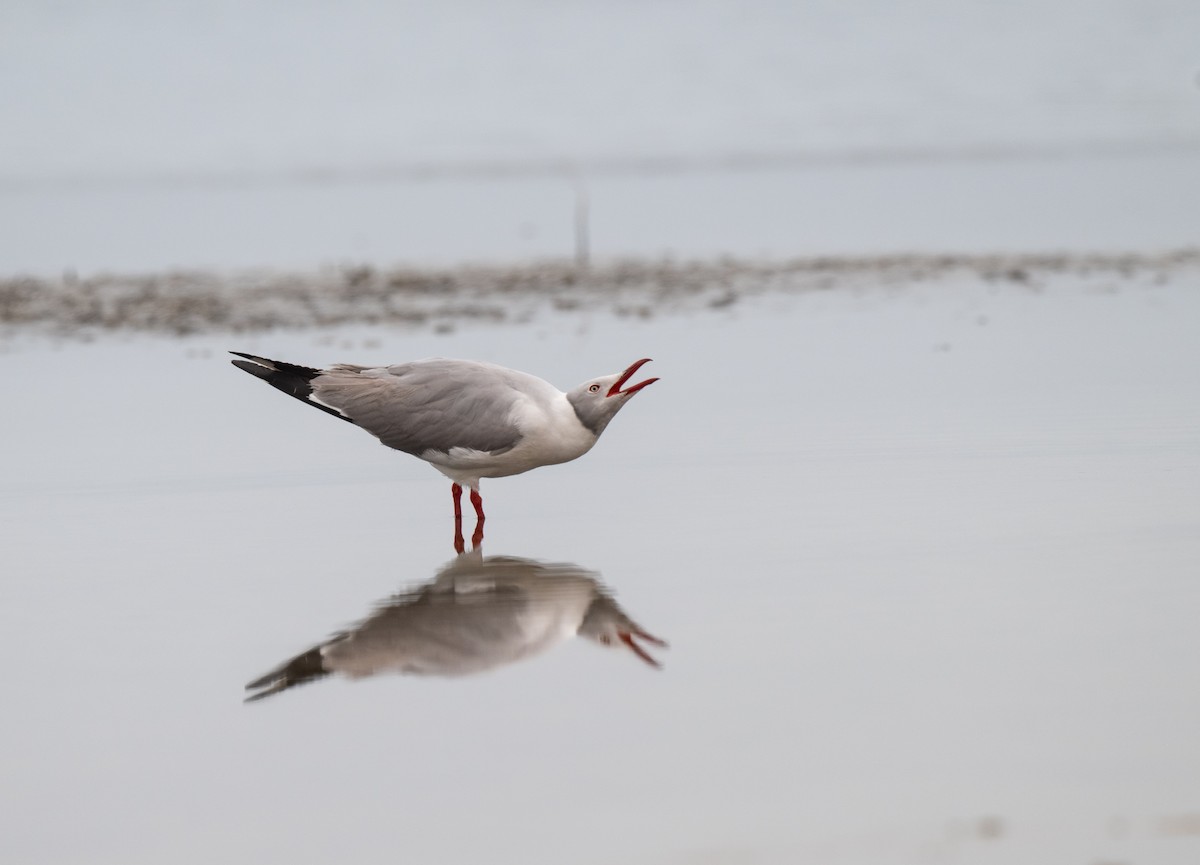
1022,203
925,558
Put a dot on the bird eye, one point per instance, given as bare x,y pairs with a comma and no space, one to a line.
593,388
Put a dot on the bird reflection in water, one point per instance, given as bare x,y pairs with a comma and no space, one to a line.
475,615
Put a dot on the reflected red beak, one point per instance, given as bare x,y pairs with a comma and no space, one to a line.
615,390
627,639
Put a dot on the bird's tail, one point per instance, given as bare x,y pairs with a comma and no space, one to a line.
300,670
288,377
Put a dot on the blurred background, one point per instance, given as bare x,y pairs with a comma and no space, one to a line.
916,501
142,136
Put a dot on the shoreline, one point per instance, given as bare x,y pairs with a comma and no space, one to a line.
188,302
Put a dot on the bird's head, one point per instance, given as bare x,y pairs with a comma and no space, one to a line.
597,401
607,625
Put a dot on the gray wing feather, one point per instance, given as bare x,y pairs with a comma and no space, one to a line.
428,405
436,634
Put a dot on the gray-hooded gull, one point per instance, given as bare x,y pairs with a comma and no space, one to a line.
477,614
469,420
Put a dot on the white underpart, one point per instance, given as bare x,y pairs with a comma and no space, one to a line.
548,625
550,433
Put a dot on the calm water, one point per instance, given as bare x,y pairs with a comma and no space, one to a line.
144,136
926,560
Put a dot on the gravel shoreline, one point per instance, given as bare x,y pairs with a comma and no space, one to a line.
193,302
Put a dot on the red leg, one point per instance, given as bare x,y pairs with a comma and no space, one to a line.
477,501
459,543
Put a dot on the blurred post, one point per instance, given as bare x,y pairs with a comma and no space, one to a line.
582,252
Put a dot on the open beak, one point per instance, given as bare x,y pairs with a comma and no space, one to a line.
627,639
615,390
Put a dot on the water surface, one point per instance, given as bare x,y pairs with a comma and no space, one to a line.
925,557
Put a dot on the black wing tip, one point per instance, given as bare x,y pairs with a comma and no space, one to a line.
275,366
292,379
253,358
253,368
255,365
300,670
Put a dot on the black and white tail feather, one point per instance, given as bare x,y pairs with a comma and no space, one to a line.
300,670
290,378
